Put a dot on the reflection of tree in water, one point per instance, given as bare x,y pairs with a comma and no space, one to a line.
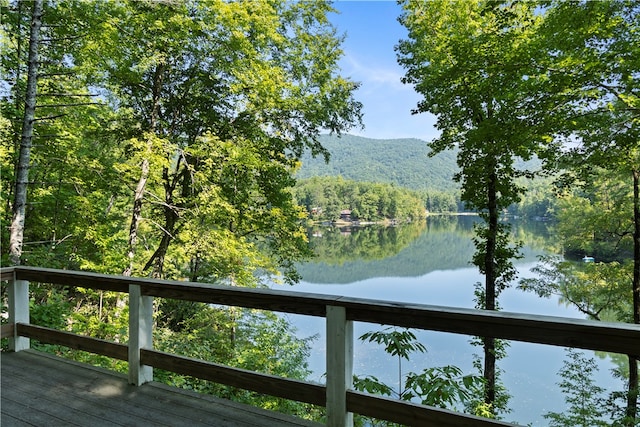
536,235
337,245
346,255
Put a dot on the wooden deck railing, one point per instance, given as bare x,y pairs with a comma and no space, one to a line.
340,312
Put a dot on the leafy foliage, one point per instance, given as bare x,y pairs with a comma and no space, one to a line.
70,168
180,162
372,385
599,290
396,342
582,395
183,160
248,339
593,217
598,65
443,387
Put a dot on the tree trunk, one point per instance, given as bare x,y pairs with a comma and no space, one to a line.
136,215
170,220
632,392
636,246
490,289
631,411
194,268
22,170
138,196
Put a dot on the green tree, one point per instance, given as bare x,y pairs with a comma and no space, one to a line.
593,217
438,201
68,178
593,66
367,201
539,201
472,64
582,396
26,139
222,98
442,387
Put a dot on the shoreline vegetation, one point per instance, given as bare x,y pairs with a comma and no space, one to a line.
387,221
327,198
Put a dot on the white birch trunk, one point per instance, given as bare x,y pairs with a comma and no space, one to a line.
22,170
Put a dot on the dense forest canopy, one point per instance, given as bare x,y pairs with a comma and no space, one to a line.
159,122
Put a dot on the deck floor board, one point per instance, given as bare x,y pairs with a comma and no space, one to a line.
43,390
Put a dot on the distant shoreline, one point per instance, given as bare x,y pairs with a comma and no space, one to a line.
452,214
343,223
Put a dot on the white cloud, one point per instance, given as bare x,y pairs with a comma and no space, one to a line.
387,102
373,76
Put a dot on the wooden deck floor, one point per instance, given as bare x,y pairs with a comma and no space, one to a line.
43,390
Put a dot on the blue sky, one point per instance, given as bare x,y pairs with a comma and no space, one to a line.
372,30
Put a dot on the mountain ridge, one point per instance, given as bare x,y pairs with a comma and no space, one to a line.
404,162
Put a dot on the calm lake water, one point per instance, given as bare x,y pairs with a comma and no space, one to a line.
430,264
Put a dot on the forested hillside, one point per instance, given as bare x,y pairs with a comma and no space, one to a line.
404,162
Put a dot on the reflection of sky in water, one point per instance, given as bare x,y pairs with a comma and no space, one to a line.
530,370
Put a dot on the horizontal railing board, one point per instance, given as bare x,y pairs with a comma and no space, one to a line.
74,341
613,337
413,414
81,279
266,299
297,390
559,331
7,330
6,274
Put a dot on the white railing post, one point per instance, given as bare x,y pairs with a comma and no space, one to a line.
339,366
18,312
140,334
